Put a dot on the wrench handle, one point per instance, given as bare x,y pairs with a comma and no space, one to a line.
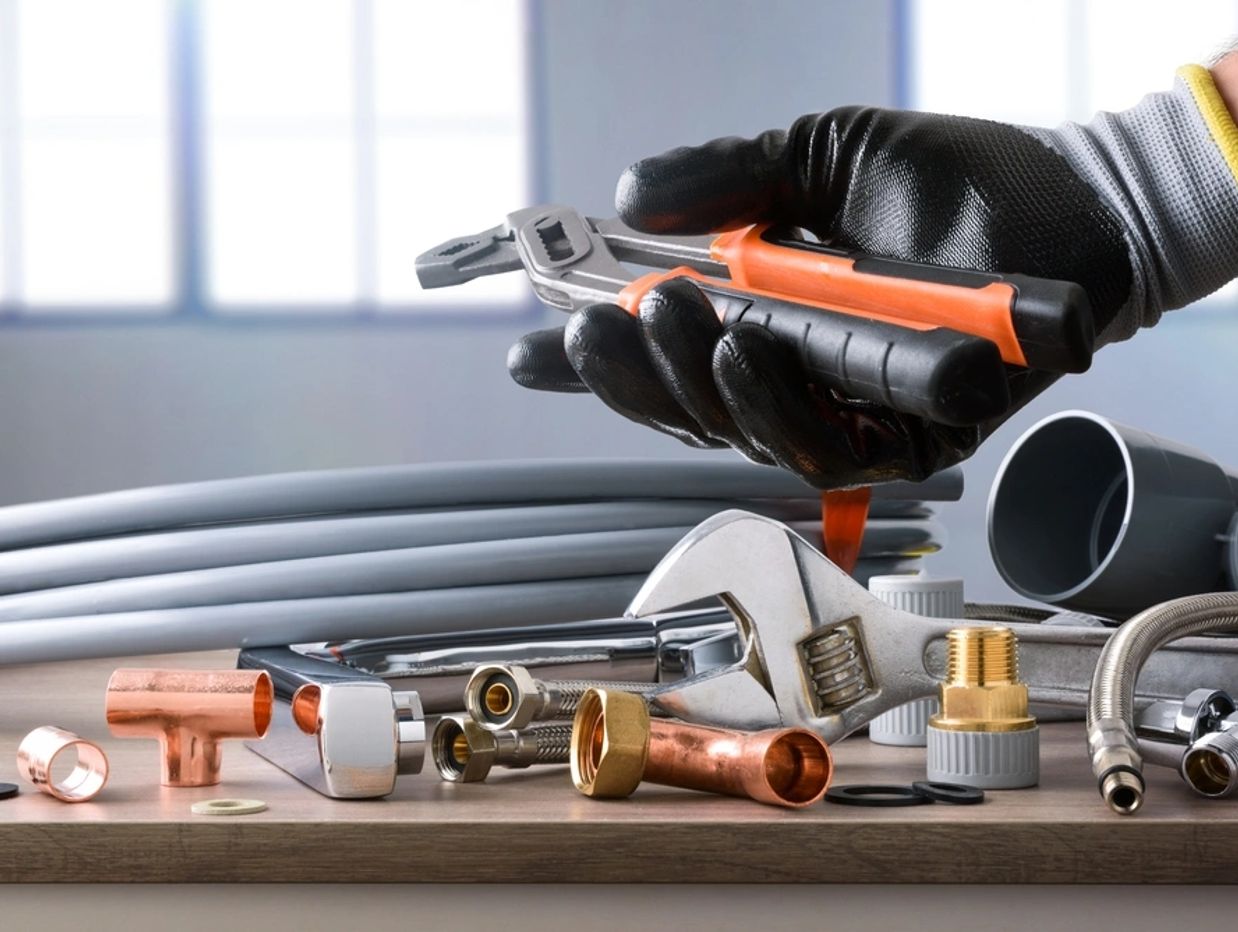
934,372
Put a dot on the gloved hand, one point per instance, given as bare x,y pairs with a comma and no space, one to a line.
1140,208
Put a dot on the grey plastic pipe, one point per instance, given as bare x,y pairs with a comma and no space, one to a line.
134,556
241,544
385,488
293,621
1112,742
1098,517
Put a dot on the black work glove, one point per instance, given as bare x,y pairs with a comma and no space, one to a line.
935,189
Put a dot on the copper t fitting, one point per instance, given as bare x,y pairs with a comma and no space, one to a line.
36,756
616,746
190,712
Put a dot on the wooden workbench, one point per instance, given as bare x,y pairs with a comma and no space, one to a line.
532,825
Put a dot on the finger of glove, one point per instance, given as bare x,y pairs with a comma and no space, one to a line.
766,391
538,361
680,328
604,344
719,185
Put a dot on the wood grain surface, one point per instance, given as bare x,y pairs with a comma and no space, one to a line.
532,826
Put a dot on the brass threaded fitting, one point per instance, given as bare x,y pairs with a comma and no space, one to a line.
610,743
982,691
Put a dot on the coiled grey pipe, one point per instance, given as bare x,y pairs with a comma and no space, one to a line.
1112,743
345,491
483,563
238,545
271,624
565,556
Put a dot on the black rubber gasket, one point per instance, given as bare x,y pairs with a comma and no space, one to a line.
8,790
879,795
955,793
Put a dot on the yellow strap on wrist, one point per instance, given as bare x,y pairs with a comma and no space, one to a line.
1212,108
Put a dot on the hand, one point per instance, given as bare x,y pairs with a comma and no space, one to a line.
935,189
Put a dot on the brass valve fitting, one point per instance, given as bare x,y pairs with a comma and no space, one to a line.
983,734
616,746
464,752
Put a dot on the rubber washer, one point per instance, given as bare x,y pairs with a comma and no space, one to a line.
955,793
875,794
8,790
228,807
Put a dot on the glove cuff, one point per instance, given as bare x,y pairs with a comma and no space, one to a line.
1168,167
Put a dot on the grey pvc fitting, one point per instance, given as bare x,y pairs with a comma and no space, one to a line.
1099,517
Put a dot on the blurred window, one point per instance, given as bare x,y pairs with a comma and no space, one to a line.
1040,62
254,157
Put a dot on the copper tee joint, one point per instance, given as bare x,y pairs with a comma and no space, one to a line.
189,712
616,746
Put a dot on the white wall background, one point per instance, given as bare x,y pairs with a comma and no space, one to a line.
90,408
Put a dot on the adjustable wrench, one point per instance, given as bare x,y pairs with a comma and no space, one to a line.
819,651
923,339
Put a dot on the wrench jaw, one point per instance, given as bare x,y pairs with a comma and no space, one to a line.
820,652
464,258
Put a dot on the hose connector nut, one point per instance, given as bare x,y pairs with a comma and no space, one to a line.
463,751
983,735
500,696
610,743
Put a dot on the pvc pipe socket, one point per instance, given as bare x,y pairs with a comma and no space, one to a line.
189,712
1099,517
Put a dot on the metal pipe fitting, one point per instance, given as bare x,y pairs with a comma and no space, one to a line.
983,734
1210,764
464,752
1112,741
189,712
616,746
503,696
1135,520
36,759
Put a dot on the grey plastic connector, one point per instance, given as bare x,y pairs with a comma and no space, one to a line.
991,760
1099,517
907,725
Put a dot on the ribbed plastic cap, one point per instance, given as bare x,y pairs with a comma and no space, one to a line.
919,595
991,760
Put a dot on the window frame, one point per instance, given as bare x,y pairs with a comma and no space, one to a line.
189,302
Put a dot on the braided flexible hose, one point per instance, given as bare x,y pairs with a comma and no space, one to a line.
1114,750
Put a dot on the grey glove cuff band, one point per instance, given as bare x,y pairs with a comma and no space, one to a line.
1160,170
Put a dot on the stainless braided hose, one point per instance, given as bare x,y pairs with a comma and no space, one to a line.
1112,745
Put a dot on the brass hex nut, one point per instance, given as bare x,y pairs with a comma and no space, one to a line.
463,751
502,696
1000,707
610,743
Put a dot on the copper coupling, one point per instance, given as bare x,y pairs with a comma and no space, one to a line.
616,745
37,755
189,712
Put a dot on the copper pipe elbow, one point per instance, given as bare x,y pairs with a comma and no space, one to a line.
37,754
189,712
616,745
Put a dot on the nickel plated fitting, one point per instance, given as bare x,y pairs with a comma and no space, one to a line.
190,712
503,696
616,746
464,752
983,735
